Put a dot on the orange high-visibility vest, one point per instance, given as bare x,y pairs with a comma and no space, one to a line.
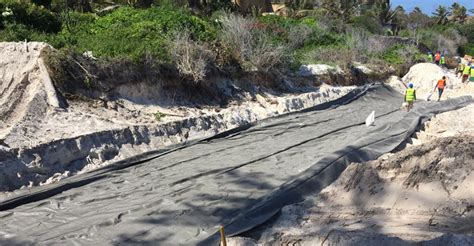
441,83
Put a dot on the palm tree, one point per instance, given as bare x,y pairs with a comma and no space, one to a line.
454,6
441,14
417,10
341,9
388,17
459,13
383,10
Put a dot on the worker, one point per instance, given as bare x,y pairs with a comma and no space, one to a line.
460,68
442,61
410,96
440,86
437,57
430,57
472,73
466,72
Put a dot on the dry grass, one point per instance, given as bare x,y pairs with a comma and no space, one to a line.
192,59
250,45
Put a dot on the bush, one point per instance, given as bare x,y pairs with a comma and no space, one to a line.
447,40
368,23
467,30
30,15
331,55
297,32
132,33
45,3
400,54
191,59
250,44
20,32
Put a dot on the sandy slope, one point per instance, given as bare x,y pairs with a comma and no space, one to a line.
422,193
418,194
26,91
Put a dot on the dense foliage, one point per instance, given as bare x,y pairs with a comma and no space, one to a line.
325,32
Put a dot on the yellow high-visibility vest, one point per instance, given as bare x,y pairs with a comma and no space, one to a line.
410,95
467,70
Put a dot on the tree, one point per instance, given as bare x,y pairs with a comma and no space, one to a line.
459,13
417,10
417,20
387,16
341,9
441,14
385,13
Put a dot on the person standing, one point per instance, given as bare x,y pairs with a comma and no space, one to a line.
466,73
410,97
471,78
430,57
460,68
440,86
437,58
442,61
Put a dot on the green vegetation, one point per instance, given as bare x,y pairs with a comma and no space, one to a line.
196,37
159,115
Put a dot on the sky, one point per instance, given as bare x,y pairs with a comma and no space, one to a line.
428,6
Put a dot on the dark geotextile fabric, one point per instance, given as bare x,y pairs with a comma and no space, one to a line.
238,179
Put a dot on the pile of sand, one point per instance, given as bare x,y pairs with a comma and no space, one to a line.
454,123
425,76
419,194
26,90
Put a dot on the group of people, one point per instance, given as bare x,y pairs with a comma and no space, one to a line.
465,69
410,94
438,58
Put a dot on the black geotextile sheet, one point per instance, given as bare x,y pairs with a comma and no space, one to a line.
239,179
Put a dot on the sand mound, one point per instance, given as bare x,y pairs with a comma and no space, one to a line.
448,124
419,194
424,76
26,90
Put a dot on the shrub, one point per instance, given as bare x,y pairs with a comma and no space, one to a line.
332,55
250,44
45,3
399,54
20,32
134,32
30,15
447,40
368,23
299,35
159,115
191,59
